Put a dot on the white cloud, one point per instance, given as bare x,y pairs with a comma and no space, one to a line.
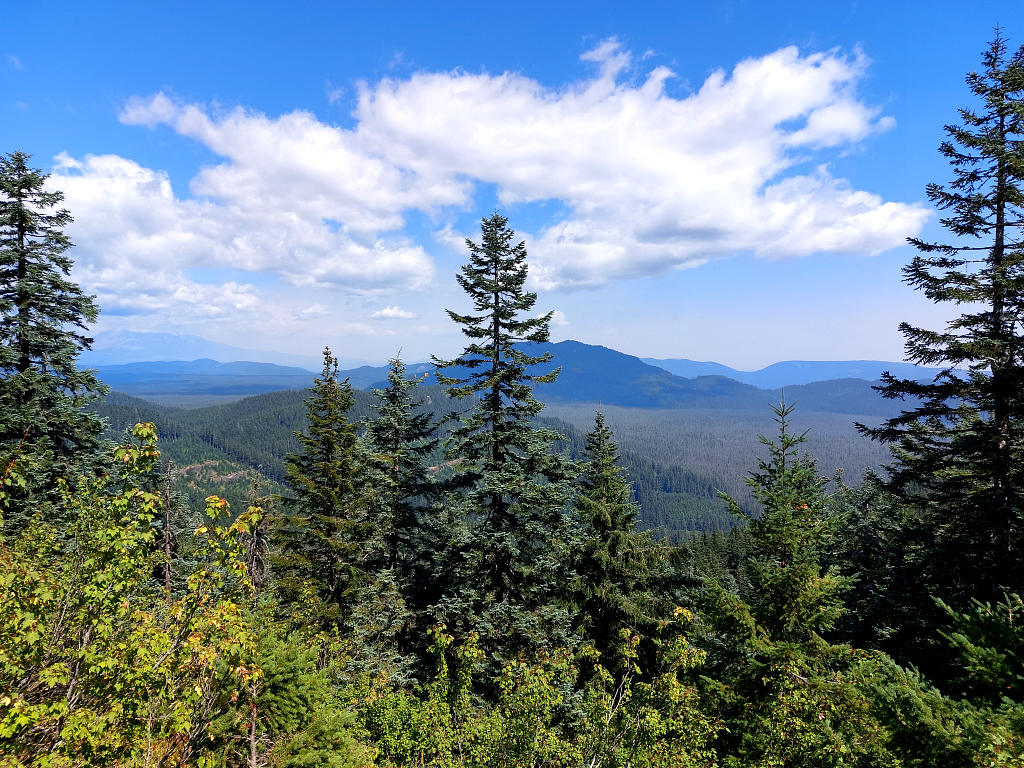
139,245
127,214
334,92
452,241
14,62
653,182
648,182
393,313
558,319
297,166
314,311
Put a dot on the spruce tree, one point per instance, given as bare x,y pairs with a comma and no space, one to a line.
614,564
390,620
43,316
399,441
319,536
959,451
793,594
790,696
514,483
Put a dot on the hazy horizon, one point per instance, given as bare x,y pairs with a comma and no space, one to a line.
731,183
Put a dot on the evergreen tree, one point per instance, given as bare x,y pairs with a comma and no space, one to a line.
399,440
257,540
790,696
42,316
794,596
614,565
400,499
960,450
320,535
514,482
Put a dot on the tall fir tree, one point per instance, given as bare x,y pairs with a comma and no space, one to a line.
614,567
320,534
959,451
515,484
43,316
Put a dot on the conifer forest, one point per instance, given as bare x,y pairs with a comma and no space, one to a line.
451,576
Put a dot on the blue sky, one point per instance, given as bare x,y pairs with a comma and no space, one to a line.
730,181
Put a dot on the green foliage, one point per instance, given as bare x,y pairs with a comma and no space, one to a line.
512,481
990,641
791,595
320,534
790,697
286,712
960,452
399,442
544,714
94,667
616,566
42,392
98,668
389,620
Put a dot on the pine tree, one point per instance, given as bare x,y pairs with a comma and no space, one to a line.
514,483
42,316
320,535
614,565
960,450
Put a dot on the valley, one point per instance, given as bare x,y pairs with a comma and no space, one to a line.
682,439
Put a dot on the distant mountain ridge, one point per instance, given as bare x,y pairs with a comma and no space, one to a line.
122,347
791,372
202,377
589,374
114,348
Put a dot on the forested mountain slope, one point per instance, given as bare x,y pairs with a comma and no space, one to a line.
588,374
677,458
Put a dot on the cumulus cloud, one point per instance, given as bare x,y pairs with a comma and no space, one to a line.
558,319
128,215
297,165
652,182
647,182
393,313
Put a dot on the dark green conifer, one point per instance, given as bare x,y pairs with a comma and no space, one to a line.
960,449
614,567
794,596
790,696
399,441
43,316
401,548
514,483
321,532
